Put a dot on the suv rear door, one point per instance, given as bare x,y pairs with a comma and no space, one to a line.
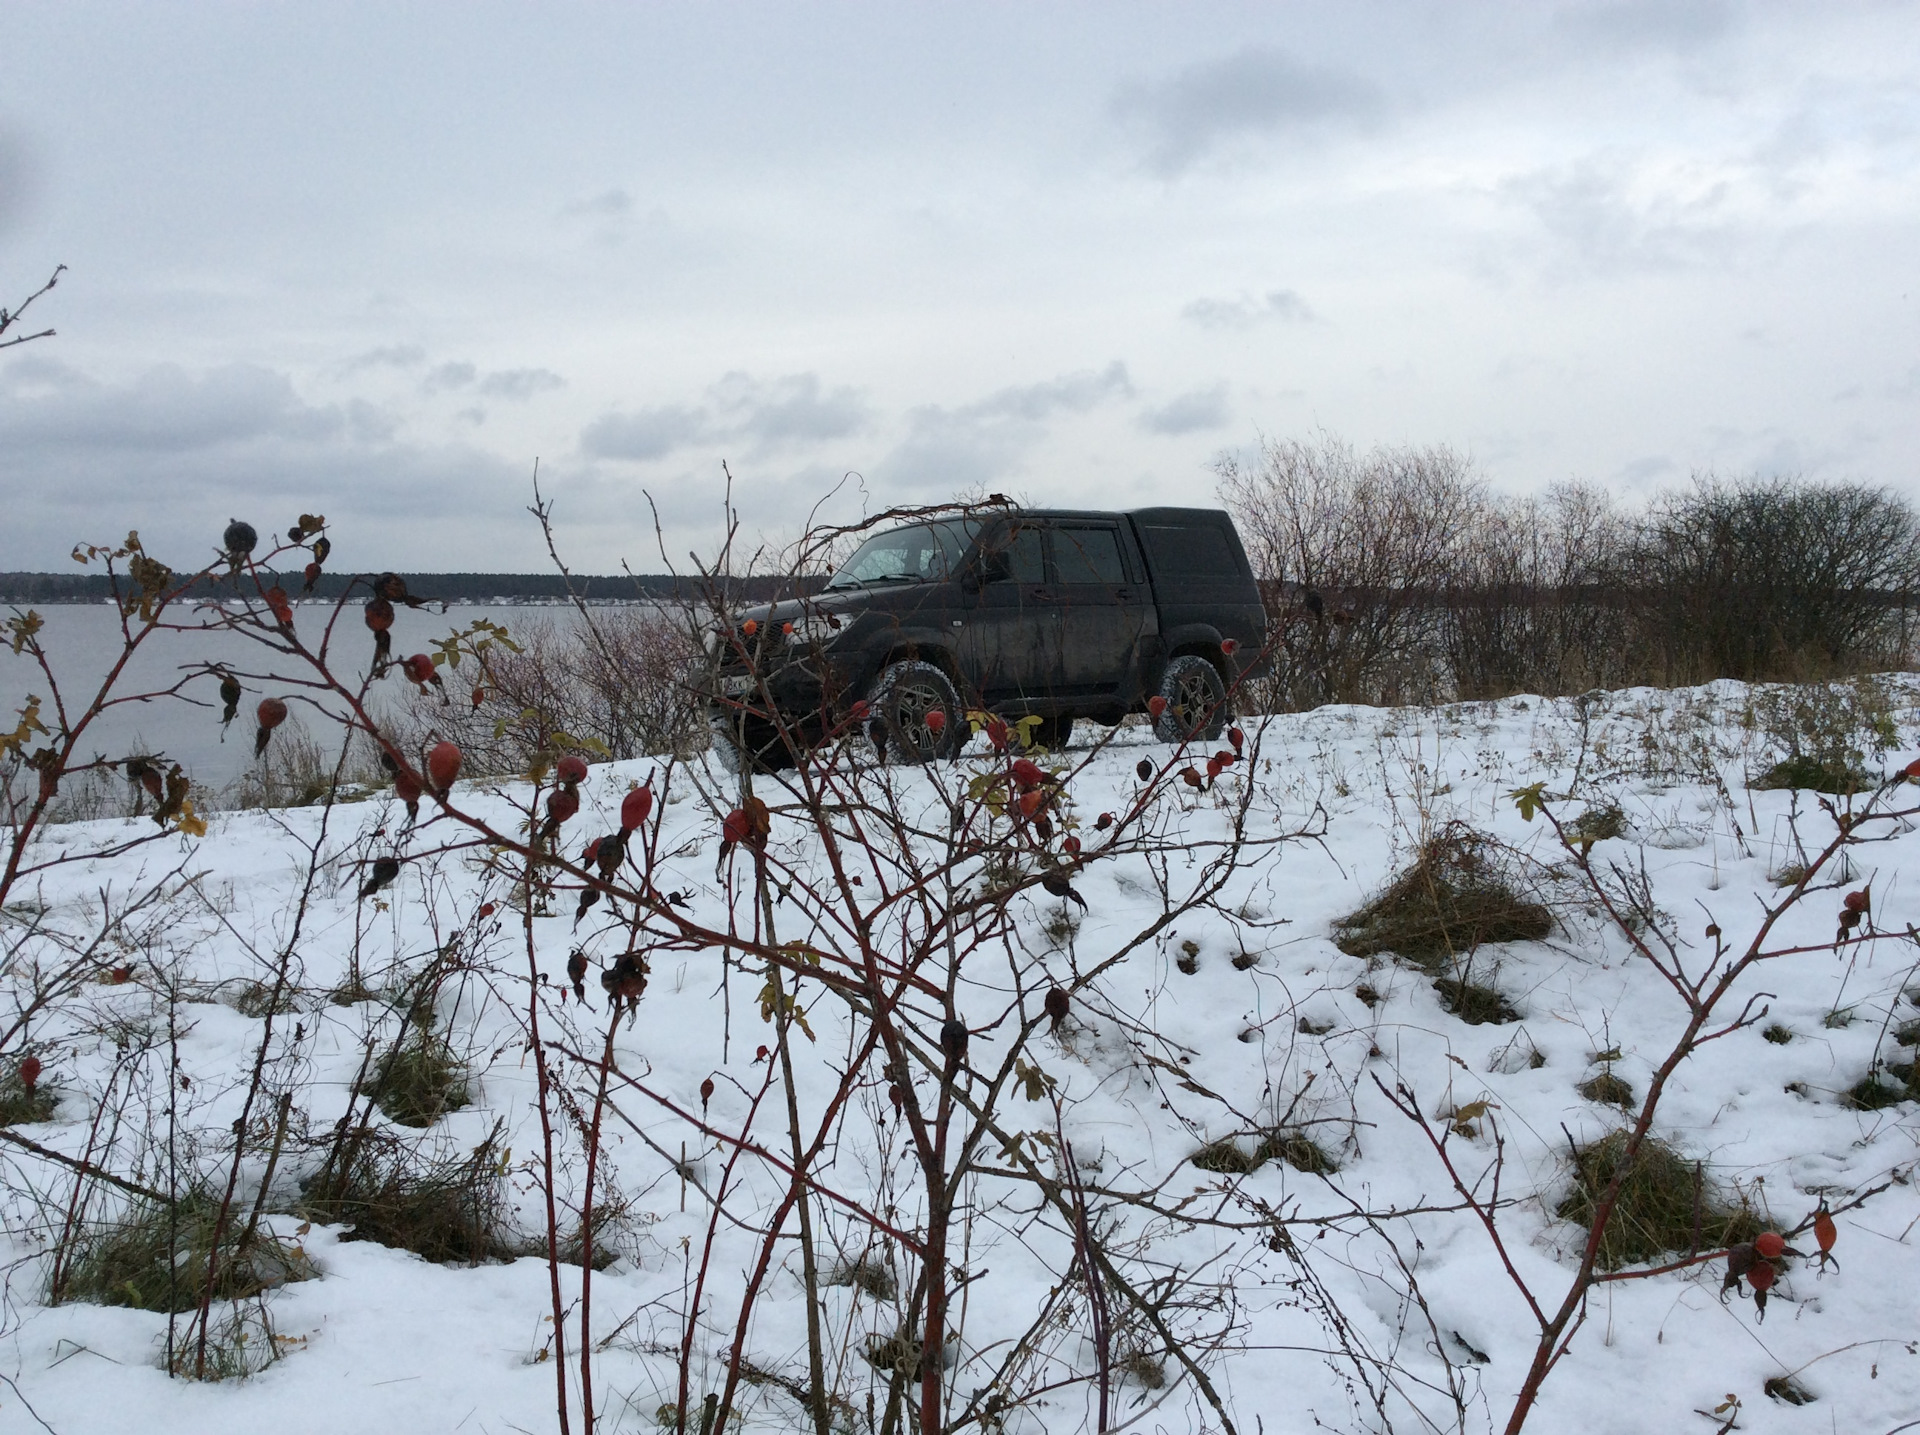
1104,605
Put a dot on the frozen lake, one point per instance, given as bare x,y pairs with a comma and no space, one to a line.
83,641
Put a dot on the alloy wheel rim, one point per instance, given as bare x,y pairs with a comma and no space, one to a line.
910,716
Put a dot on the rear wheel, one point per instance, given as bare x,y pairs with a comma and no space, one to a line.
1196,701
899,706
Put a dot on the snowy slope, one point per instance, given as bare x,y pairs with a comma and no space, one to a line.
1154,1063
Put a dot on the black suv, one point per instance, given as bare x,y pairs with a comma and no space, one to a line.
1051,614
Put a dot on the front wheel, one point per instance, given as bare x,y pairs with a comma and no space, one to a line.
900,707
1196,709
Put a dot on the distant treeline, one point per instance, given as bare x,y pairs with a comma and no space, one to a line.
1398,576
94,587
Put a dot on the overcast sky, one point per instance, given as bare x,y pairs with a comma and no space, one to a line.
373,261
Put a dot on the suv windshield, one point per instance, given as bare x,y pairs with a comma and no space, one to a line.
922,553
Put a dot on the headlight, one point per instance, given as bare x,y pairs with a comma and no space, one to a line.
819,629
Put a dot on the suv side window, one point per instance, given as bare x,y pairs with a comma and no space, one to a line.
1088,555
1018,558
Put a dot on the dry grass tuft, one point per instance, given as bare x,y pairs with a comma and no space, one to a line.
418,1082
446,1208
1607,1089
1474,1004
23,1105
1299,1151
154,1258
1665,1203
1225,1158
1456,895
1814,774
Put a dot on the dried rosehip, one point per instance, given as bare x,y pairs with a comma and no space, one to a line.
443,766
1761,1277
271,713
1143,770
239,540
1856,901
282,608
30,1073
1103,822
1191,777
706,1092
379,614
561,805
1058,1004
417,669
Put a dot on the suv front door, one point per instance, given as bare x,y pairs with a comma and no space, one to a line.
1011,633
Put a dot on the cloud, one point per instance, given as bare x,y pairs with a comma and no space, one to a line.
520,383
787,410
1611,220
457,375
165,409
608,204
19,184
643,434
1256,92
1246,311
1190,412
980,444
1674,25
175,452
768,415
392,356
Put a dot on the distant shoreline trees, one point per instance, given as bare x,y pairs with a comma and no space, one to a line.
1399,576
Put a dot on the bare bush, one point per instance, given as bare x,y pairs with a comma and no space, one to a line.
616,677
1352,548
1396,576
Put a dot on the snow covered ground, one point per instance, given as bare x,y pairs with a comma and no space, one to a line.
1383,1304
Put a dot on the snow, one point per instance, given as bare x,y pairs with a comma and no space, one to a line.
1153,1064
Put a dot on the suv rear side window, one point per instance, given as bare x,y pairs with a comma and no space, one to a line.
1198,552
1088,555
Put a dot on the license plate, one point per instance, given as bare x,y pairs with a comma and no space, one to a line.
737,684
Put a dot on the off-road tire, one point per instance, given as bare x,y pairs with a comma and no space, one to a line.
1196,708
768,755
897,706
